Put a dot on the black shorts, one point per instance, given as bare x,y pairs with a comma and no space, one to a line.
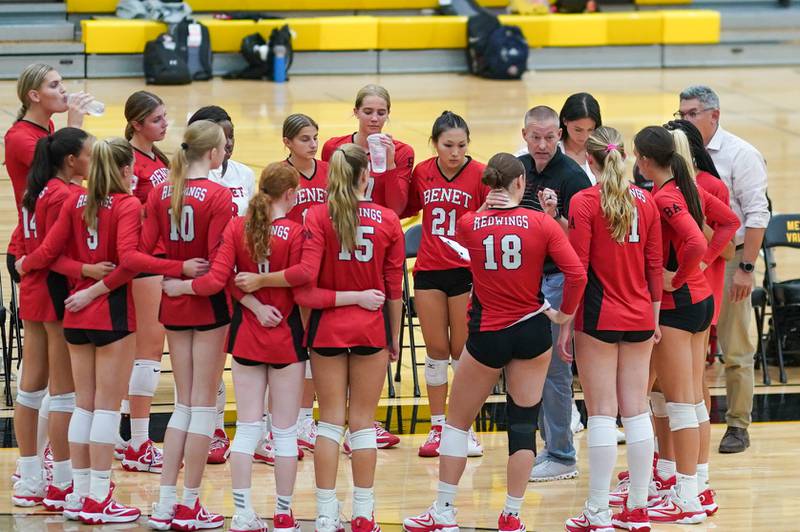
615,337
93,336
253,363
692,318
361,350
522,341
200,328
452,282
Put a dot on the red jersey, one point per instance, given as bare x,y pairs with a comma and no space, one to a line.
715,272
148,173
507,249
20,141
390,188
624,278
376,262
313,190
207,209
684,245
443,201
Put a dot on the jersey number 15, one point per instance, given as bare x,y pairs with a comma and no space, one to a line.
363,249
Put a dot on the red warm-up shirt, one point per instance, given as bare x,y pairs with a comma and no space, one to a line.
715,272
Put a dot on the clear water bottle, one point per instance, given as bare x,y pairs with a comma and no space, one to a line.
279,64
94,107
377,153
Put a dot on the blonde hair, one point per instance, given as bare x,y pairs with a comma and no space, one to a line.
29,80
198,139
347,164
373,90
105,175
138,107
275,180
684,149
605,146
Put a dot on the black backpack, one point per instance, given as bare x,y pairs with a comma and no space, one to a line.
163,64
258,67
198,55
493,50
280,37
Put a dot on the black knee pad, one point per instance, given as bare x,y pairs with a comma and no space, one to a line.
522,422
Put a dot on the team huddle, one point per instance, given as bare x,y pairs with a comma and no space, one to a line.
298,275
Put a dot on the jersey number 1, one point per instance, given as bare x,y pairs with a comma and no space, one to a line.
185,232
633,238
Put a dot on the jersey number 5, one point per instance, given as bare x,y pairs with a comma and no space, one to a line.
185,232
510,252
363,249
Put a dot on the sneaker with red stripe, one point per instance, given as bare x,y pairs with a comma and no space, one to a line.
362,524
55,498
147,458
510,523
265,454
673,509
430,449
190,519
384,438
73,504
219,448
590,520
619,496
432,520
107,511
635,520
28,492
285,523
663,485
708,503
161,516
307,434
247,521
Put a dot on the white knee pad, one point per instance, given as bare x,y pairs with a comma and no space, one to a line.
308,369
637,428
180,418
659,404
247,437
435,371
602,431
44,410
284,441
31,399
363,439
80,426
702,412
454,442
203,421
144,378
62,403
105,426
681,416
330,431
125,407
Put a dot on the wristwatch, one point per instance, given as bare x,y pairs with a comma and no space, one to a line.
747,267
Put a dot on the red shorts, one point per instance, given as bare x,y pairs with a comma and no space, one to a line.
41,296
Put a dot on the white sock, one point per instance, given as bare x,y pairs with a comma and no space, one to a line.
81,481
437,420
242,500
513,505
363,502
305,413
190,496
283,504
702,476
99,484
639,448
602,440
140,431
125,406
686,486
446,495
30,467
62,473
168,496
327,505
666,468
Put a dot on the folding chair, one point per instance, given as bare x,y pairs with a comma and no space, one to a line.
758,300
413,239
784,296
4,337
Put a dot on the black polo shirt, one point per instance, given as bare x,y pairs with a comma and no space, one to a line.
561,174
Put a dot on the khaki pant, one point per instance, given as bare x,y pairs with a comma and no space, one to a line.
733,332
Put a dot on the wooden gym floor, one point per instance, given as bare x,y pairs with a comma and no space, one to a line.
754,488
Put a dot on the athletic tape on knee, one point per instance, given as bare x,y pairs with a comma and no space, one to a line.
105,426
144,378
330,431
247,437
435,371
602,431
64,402
44,410
31,399
80,426
284,441
681,416
363,439
637,428
659,404
702,412
522,422
308,369
453,442
203,421
180,418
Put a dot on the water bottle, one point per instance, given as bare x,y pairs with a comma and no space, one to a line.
377,153
94,107
279,64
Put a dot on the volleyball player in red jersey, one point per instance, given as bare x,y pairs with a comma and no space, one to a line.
146,118
686,311
352,244
190,223
444,187
615,229
508,328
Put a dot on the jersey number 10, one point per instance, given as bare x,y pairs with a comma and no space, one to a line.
185,232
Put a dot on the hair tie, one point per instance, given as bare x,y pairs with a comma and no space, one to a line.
611,147
184,146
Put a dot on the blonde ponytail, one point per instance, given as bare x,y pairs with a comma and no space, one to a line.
275,180
605,146
684,149
347,164
105,175
200,138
